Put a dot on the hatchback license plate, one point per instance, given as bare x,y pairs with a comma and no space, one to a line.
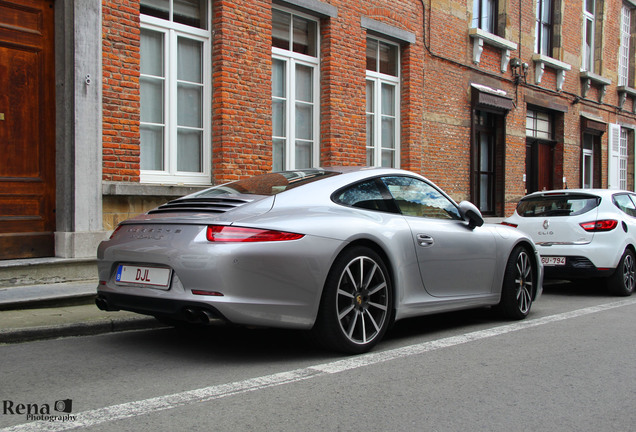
553,261
157,277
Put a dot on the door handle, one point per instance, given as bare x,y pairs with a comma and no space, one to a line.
425,240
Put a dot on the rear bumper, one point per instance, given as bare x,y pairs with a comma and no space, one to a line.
194,312
576,267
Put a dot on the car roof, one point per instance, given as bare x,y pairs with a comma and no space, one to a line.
347,169
603,193
351,174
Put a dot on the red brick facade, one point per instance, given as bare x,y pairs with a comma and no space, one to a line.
120,45
436,73
242,91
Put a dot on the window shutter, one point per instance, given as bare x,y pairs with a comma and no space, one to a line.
613,164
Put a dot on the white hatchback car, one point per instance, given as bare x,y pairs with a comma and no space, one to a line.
583,233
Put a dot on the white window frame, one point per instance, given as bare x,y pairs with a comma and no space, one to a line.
480,10
624,49
540,28
587,59
623,158
620,146
613,156
377,79
539,124
291,60
171,32
587,174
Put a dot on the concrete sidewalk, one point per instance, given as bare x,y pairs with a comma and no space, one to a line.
49,311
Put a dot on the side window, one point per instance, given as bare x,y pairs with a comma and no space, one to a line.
417,198
365,195
625,203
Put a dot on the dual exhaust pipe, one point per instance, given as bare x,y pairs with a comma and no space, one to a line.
192,315
200,316
102,304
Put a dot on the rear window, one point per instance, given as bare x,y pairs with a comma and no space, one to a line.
267,184
625,203
570,205
366,195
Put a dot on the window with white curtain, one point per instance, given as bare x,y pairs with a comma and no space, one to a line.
625,48
539,124
543,28
175,92
623,158
485,15
295,91
589,28
383,103
587,173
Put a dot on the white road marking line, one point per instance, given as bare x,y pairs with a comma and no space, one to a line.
162,403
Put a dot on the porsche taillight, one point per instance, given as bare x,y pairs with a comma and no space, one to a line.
223,233
600,225
114,232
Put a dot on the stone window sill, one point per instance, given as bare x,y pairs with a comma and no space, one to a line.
540,63
589,78
481,37
623,92
140,189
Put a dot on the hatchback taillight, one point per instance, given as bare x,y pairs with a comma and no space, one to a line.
509,224
223,233
600,225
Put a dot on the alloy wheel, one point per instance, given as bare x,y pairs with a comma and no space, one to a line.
362,300
524,282
629,273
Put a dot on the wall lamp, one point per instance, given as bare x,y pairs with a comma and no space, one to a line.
519,70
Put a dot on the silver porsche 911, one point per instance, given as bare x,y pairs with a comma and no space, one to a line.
343,252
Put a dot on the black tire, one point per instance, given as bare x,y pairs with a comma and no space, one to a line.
357,302
622,282
519,286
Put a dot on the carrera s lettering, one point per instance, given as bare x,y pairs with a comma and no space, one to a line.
151,233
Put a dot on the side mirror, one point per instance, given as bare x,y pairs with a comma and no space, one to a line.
471,213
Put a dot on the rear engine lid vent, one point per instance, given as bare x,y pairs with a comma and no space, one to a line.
200,205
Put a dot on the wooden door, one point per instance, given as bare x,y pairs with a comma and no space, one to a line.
545,166
27,129
539,165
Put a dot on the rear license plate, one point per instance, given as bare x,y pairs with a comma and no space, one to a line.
553,261
156,277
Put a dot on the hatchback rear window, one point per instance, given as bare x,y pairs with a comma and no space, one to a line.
559,205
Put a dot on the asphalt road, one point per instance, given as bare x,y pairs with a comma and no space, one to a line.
568,367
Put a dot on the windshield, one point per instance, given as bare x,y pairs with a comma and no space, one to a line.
267,184
559,205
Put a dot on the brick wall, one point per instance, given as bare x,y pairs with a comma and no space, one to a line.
436,75
120,45
242,92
